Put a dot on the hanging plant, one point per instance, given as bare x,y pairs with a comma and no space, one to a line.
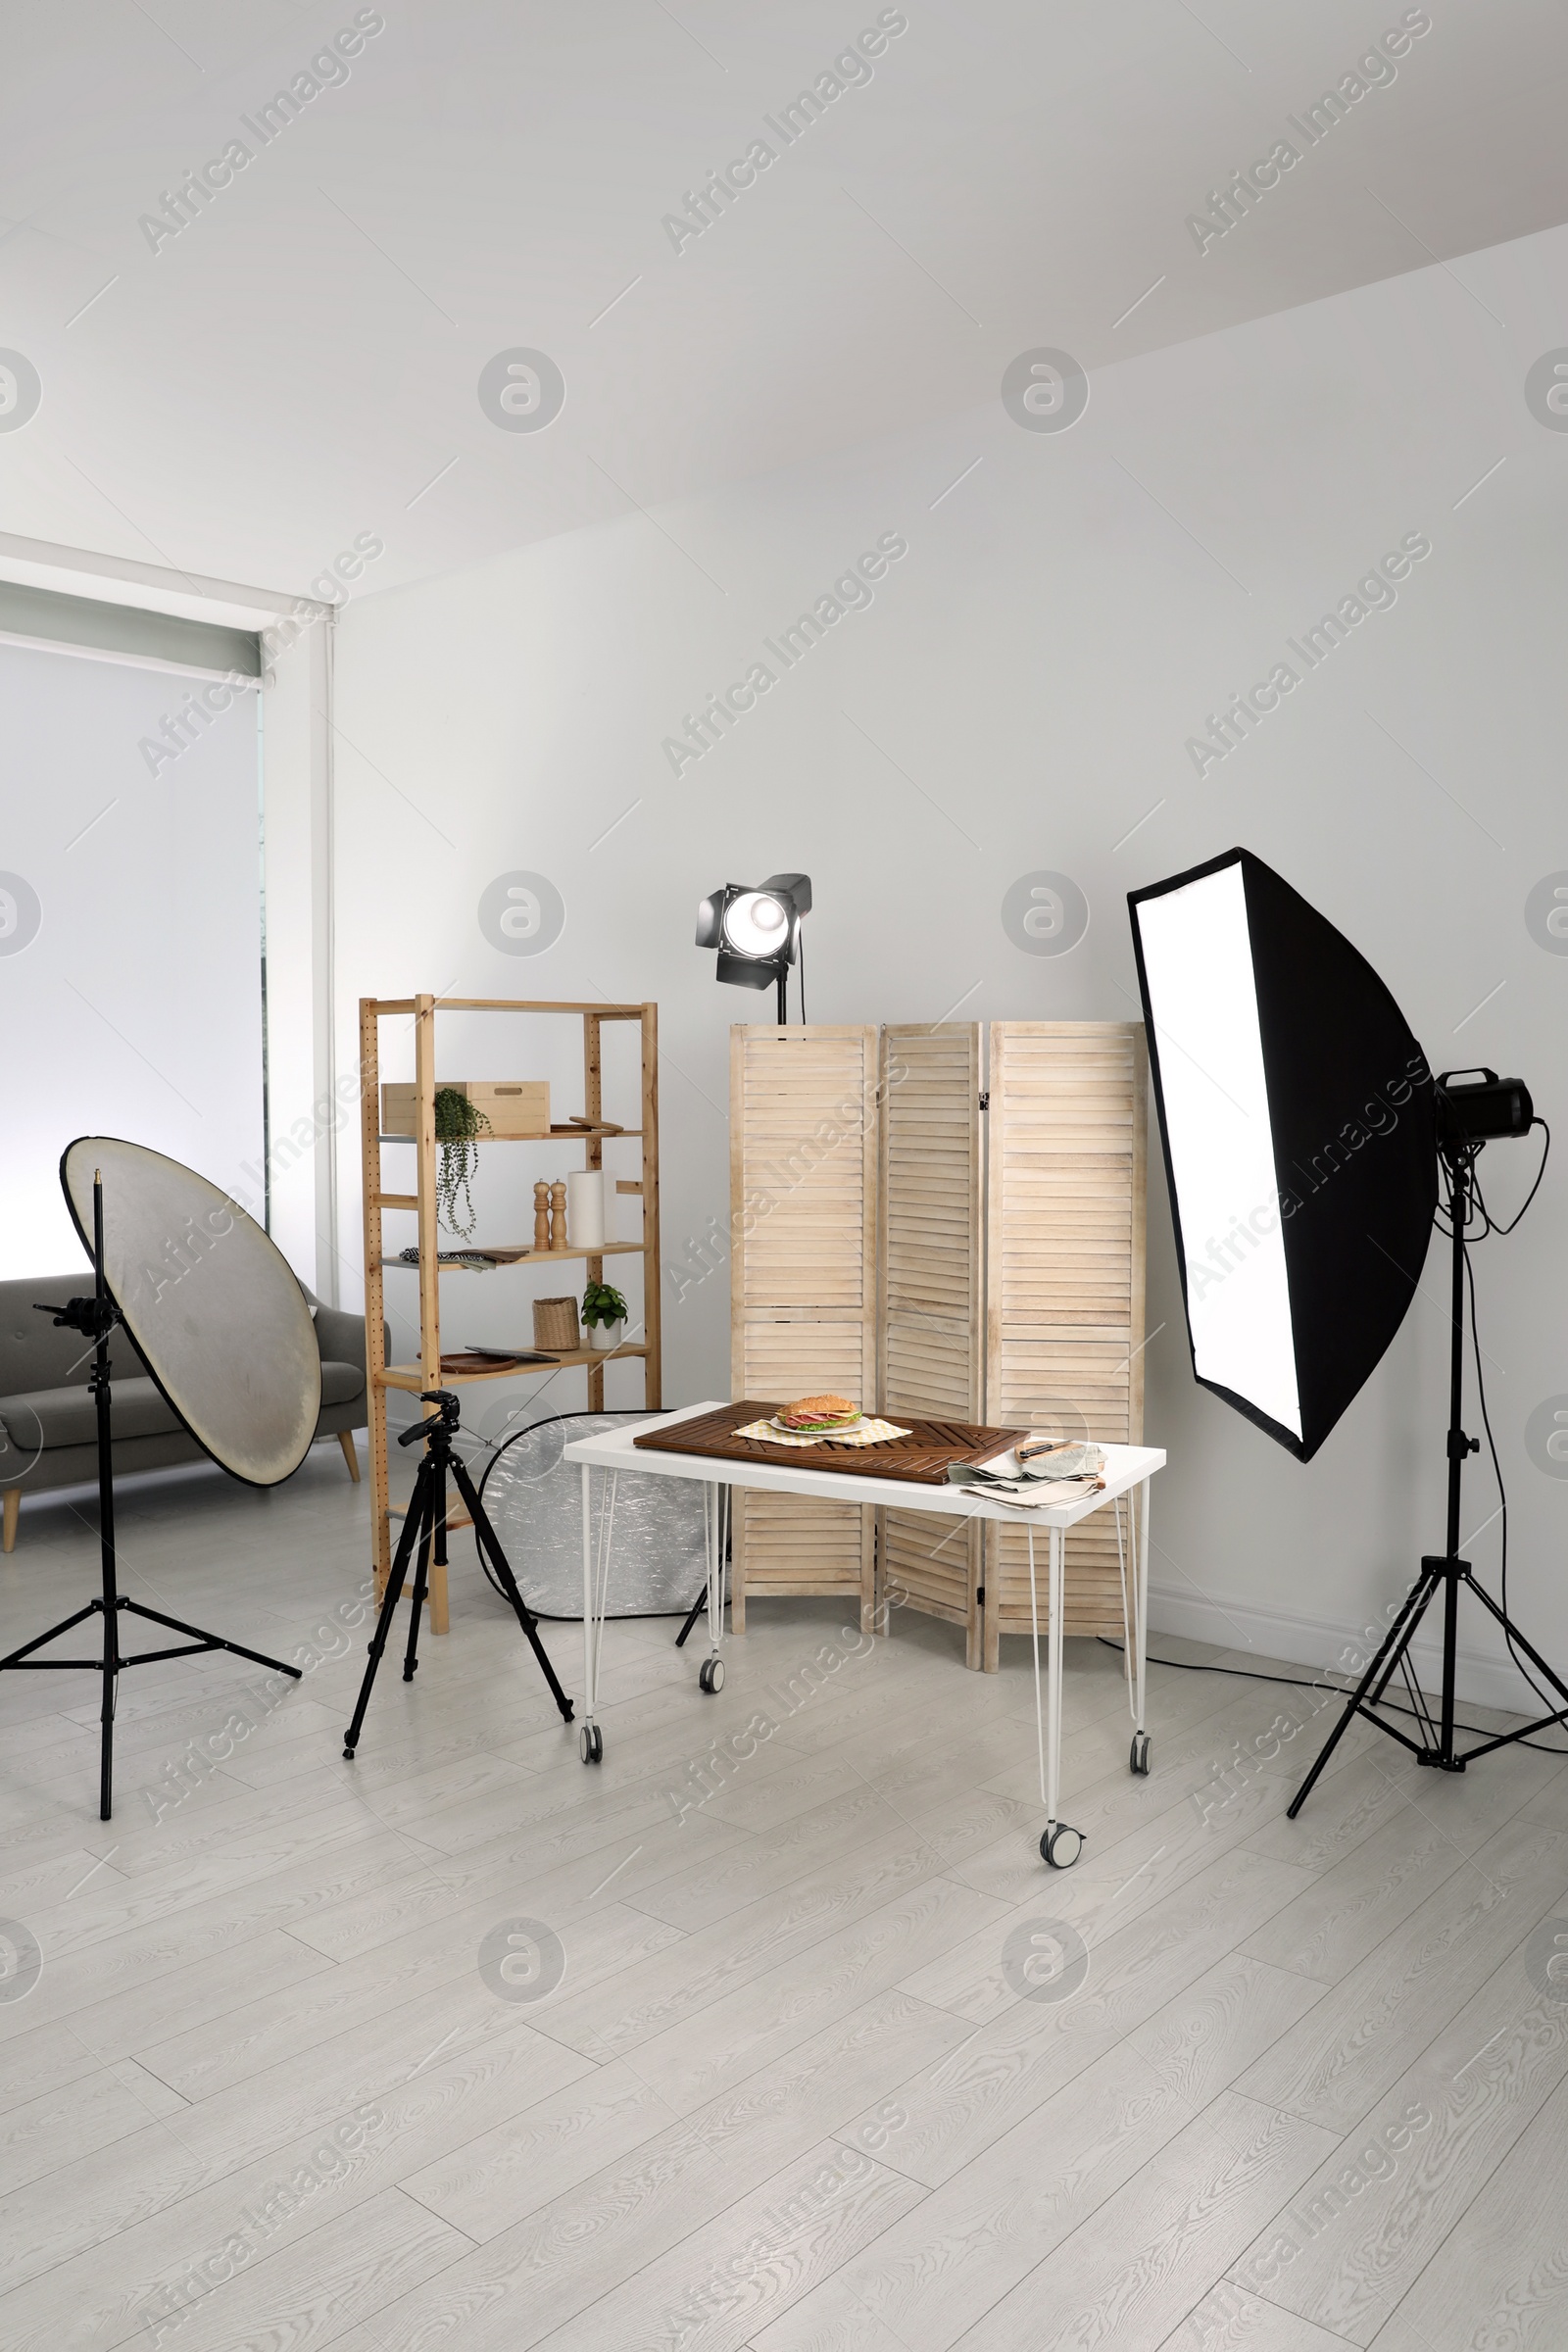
459,1123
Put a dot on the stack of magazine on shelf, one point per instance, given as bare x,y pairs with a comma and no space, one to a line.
1042,1470
476,1260
483,1262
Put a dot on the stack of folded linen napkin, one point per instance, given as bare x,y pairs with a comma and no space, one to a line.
1042,1470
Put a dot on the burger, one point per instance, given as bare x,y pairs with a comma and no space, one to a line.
817,1416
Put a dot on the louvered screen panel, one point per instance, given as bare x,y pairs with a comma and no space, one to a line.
1068,1148
803,1302
932,1341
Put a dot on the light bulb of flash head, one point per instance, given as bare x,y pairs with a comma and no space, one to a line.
757,930
756,923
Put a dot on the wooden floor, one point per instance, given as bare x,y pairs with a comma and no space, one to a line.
833,2062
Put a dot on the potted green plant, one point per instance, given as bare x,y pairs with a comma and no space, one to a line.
459,1124
603,1314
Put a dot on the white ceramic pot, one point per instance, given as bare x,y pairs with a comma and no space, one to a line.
605,1335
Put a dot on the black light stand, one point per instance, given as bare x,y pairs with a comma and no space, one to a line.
1448,1574
426,1526
95,1318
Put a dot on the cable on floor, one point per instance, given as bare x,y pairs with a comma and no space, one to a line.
1293,1682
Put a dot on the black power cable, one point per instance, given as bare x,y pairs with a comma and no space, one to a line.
1293,1682
1492,1224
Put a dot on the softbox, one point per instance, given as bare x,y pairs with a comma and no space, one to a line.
1297,1115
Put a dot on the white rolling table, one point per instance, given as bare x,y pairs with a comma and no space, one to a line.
1128,1471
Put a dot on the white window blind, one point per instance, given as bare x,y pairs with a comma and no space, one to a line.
130,929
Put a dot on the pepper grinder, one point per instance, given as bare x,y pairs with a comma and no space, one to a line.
541,1216
558,1214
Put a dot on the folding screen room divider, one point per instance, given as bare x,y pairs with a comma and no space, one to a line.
804,1152
946,1222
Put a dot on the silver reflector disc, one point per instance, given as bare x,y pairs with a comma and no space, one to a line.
211,1302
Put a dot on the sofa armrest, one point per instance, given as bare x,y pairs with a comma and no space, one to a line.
340,1336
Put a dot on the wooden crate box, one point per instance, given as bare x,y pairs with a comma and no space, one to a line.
513,1106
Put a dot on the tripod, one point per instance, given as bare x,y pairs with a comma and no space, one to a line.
1448,1574
95,1318
426,1526
692,1615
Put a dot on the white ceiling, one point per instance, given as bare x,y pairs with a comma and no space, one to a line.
302,361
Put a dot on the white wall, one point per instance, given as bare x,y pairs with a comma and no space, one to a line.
134,1009
298,836
1017,697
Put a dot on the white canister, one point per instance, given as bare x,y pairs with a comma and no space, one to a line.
585,1209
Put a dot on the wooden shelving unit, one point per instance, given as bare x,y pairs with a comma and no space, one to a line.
420,1203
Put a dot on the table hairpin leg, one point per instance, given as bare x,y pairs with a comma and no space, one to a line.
1141,1617
1061,1845
715,1513
595,1607
1134,1614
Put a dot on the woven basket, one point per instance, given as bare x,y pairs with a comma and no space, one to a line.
555,1323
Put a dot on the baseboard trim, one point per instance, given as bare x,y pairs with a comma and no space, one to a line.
1319,1644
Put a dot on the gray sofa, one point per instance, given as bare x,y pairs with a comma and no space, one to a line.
48,1427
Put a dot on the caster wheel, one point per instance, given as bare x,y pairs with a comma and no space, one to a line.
348,1755
591,1744
409,1672
1061,1846
712,1677
1138,1758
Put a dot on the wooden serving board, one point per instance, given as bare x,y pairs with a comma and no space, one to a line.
922,1456
525,1359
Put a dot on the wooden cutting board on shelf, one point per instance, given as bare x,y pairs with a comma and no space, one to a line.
922,1456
